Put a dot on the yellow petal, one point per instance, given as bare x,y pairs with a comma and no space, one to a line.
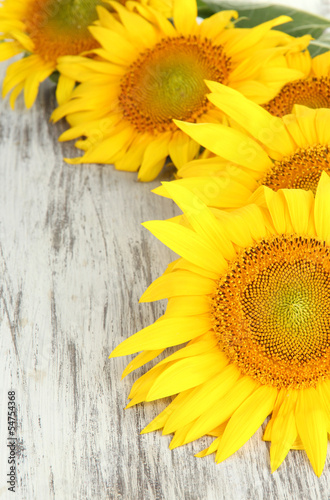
228,143
206,343
312,427
185,265
256,34
278,211
8,50
142,385
211,449
284,430
301,61
140,360
201,218
14,94
105,150
182,149
165,333
243,225
188,306
31,85
159,421
278,403
110,41
185,374
142,32
179,437
213,25
222,409
307,123
176,284
184,16
322,208
291,123
267,129
300,205
154,157
132,159
188,244
246,420
223,191
202,398
64,89
321,120
166,27
323,390
25,40
321,64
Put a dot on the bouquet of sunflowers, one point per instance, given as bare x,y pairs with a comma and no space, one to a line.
236,102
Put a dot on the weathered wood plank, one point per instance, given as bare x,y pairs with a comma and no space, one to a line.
74,261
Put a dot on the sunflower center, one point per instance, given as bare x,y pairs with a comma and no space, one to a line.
311,92
59,27
271,312
302,170
167,82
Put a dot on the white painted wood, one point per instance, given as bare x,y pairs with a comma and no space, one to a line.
74,261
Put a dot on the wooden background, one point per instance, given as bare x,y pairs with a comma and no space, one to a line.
74,261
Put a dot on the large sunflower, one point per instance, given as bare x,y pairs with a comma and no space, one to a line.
250,294
287,152
127,99
313,90
43,30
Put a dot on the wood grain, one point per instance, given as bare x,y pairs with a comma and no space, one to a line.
74,261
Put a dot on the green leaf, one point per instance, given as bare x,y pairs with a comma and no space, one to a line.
54,77
320,45
251,14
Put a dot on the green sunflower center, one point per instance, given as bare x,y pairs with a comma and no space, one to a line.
167,82
60,27
73,14
271,312
311,92
302,170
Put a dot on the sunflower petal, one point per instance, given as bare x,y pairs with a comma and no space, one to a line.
246,420
228,143
185,374
165,333
312,427
202,398
188,244
322,208
184,15
222,409
284,430
176,284
267,129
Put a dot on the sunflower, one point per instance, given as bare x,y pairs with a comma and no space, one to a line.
124,106
43,30
288,152
250,294
313,90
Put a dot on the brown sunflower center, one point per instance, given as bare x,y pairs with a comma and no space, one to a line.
167,82
302,170
271,312
59,27
311,92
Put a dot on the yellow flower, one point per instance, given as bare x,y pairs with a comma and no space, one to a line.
44,30
313,90
124,106
250,294
287,152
